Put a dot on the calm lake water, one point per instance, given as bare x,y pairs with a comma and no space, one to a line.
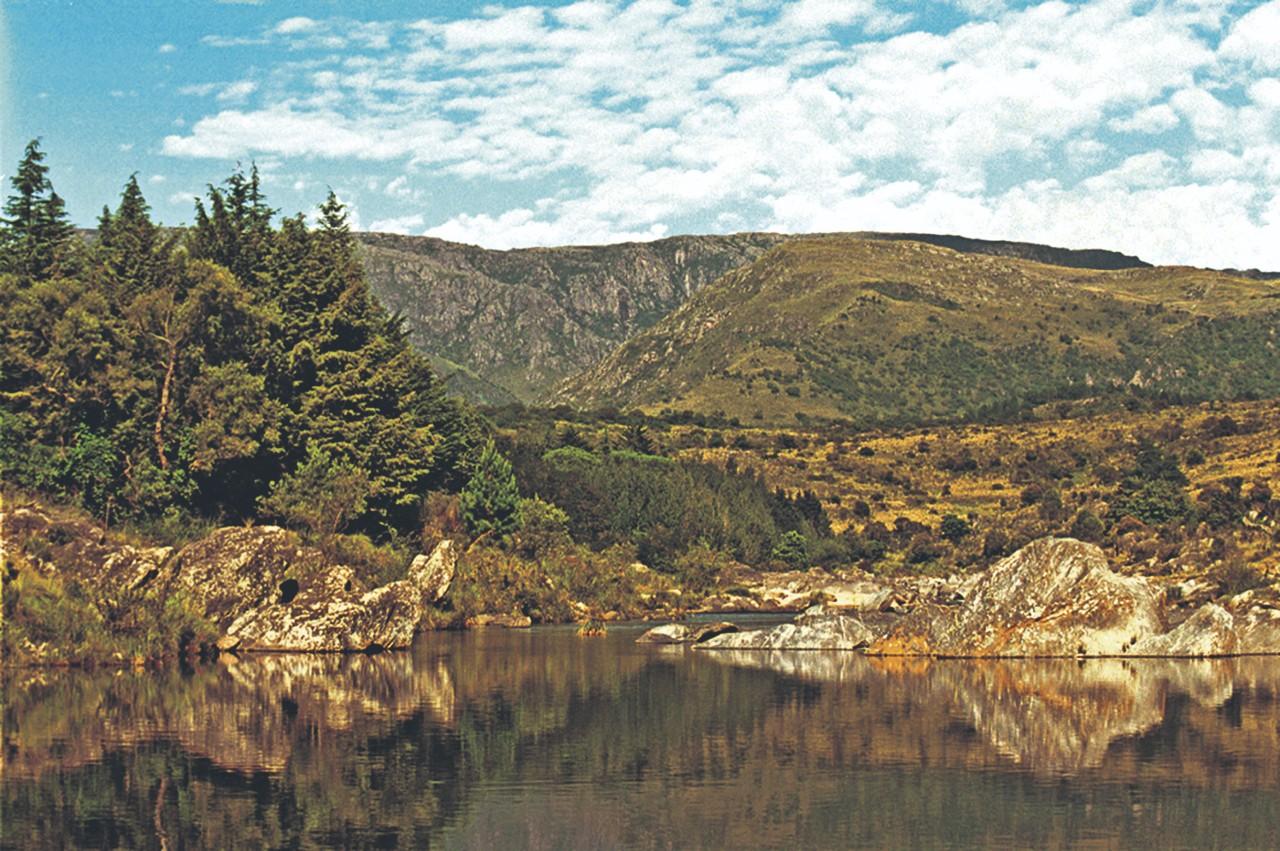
541,739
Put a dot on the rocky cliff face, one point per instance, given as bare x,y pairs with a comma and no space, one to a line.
508,325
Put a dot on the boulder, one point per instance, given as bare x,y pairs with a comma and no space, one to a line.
266,591
705,632
1247,624
1054,597
819,628
1209,632
433,574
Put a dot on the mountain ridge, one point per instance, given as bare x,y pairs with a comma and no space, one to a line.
510,325
885,332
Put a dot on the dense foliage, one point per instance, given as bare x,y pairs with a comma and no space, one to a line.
665,506
234,367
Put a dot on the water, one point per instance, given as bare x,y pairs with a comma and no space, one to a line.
541,739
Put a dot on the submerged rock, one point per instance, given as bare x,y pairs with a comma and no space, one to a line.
1054,597
819,628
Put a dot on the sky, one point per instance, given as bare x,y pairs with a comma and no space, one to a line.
1147,127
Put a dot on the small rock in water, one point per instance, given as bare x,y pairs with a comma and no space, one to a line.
669,633
509,621
819,628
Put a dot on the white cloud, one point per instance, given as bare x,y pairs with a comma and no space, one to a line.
1255,37
625,118
237,91
167,48
399,224
1149,119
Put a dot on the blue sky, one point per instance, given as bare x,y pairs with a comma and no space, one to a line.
1150,127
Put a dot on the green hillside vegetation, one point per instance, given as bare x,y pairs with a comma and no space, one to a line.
1183,491
876,332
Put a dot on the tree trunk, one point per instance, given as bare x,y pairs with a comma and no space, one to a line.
163,411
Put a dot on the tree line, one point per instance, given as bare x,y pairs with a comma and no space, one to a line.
235,368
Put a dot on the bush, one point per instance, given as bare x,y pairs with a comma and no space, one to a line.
698,568
791,549
543,528
1087,526
322,495
1234,576
954,529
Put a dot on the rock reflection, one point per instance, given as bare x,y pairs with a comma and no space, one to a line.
1057,716
242,715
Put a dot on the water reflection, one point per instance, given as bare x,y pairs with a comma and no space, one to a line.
540,738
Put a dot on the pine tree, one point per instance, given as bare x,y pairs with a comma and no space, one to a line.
34,231
491,500
129,244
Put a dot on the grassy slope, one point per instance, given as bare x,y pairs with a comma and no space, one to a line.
897,332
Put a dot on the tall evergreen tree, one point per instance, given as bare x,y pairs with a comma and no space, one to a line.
35,233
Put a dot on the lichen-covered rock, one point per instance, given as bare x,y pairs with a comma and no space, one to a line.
1209,632
267,591
1054,597
1247,624
433,574
819,628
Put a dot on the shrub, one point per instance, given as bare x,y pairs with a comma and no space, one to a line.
791,549
321,495
698,567
954,529
1087,526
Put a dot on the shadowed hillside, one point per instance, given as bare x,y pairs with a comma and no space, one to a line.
509,325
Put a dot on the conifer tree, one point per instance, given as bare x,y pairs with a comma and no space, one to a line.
491,499
34,231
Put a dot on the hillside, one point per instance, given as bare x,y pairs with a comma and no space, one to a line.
894,331
511,325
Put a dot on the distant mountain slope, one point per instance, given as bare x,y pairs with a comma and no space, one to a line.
507,325
897,331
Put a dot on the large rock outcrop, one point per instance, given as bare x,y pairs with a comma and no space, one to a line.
265,591
1054,597
260,587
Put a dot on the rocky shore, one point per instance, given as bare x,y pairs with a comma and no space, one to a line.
1056,597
